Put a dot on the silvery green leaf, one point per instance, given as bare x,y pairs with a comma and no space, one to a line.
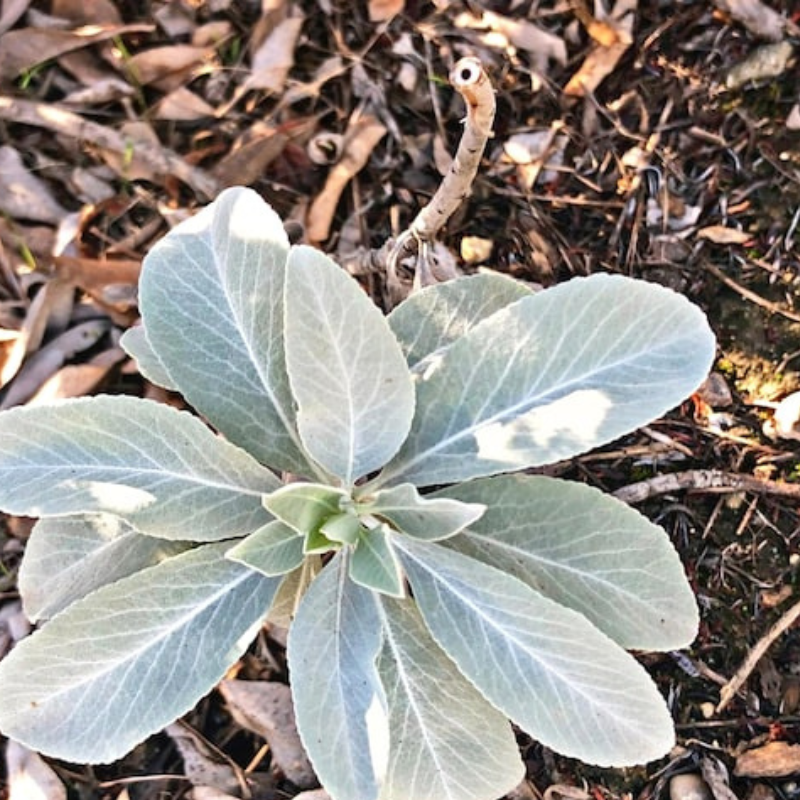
211,296
160,469
446,741
353,389
587,551
131,657
545,666
136,344
305,506
434,317
66,558
338,699
375,566
344,528
551,376
430,518
272,550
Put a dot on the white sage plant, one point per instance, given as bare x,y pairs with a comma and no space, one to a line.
364,476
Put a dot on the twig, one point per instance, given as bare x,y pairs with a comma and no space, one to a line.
704,480
730,689
160,159
773,308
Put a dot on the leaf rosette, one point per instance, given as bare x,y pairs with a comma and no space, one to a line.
358,480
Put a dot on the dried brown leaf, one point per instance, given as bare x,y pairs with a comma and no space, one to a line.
24,48
105,90
22,194
266,709
524,35
603,59
93,275
87,12
150,155
203,764
772,760
362,136
257,147
721,234
757,17
77,380
212,33
382,10
12,11
275,57
167,67
184,105
44,363
29,776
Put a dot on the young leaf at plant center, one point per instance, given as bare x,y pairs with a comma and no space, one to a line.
344,528
585,550
66,558
135,343
338,698
551,376
306,506
159,469
272,550
446,741
586,697
374,564
212,307
131,657
353,389
434,317
422,517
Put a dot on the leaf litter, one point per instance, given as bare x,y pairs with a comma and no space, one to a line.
651,160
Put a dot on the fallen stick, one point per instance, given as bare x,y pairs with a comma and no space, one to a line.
703,480
731,688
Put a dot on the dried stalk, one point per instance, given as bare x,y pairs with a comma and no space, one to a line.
469,79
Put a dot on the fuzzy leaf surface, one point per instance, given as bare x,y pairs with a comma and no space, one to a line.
354,392
160,469
374,564
212,307
338,699
305,506
446,741
553,375
136,344
586,551
133,656
272,550
66,558
545,666
422,517
434,317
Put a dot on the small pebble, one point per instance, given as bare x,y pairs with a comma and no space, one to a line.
688,786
